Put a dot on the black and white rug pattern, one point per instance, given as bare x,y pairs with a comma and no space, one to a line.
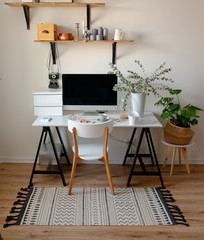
96,206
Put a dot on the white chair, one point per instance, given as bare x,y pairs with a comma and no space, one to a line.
90,151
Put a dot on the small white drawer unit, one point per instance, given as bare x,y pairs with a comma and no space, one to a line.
48,102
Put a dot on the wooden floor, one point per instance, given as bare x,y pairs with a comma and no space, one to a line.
188,191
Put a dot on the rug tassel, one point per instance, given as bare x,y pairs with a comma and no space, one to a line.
11,218
174,209
169,199
22,194
8,224
19,202
25,189
16,210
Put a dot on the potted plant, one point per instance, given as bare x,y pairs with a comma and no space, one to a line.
178,128
138,86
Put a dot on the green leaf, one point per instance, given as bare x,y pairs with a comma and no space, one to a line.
188,111
194,122
175,91
165,114
174,107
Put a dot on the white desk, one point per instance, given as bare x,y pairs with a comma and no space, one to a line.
149,121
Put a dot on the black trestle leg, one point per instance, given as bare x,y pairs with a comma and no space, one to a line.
56,157
44,131
155,157
135,158
148,143
129,145
63,147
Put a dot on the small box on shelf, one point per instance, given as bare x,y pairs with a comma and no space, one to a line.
47,32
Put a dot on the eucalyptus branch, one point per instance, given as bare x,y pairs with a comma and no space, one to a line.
136,83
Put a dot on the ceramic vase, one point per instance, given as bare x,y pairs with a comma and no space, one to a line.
138,103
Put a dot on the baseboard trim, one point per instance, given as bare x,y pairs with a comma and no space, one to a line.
16,160
114,161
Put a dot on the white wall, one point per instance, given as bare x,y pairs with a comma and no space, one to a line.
163,30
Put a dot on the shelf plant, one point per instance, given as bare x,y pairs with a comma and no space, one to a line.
180,118
141,83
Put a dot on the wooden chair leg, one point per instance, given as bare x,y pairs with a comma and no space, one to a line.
109,175
74,165
179,151
185,156
173,160
167,156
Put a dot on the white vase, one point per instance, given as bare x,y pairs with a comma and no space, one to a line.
138,103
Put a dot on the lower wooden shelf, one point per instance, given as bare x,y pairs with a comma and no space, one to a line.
84,41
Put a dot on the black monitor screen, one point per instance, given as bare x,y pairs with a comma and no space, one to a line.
89,90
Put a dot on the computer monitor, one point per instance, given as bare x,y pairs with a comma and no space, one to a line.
89,92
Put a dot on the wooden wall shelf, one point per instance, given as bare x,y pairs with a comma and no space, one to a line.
82,41
54,4
26,8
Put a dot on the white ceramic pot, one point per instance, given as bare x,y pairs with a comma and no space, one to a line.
138,103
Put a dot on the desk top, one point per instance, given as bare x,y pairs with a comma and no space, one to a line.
149,120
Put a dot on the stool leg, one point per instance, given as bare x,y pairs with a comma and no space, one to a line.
173,160
185,156
167,156
179,150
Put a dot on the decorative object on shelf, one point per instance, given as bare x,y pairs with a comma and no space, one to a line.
99,34
92,37
119,33
77,37
47,32
105,33
177,130
65,36
100,31
28,1
99,37
85,32
136,83
64,1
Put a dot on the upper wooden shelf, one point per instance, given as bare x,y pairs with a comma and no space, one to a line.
54,4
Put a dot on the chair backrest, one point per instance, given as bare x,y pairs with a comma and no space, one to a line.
90,130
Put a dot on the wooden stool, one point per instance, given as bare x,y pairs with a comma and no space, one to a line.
180,148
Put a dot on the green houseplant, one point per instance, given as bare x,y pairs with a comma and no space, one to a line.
180,119
141,83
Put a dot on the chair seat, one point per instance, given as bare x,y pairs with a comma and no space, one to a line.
90,152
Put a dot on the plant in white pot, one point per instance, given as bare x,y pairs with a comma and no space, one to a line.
137,86
178,128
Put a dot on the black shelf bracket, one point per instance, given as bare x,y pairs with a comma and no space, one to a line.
26,10
53,51
88,15
114,44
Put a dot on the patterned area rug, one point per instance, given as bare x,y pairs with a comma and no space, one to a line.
95,206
